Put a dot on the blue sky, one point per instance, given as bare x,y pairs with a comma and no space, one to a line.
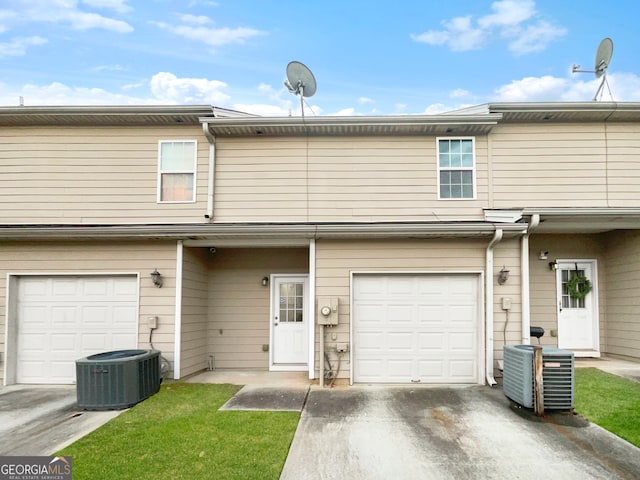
369,58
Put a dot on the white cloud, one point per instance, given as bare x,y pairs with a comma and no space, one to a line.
211,36
170,89
59,94
459,93
365,101
508,13
535,38
66,12
625,87
117,5
515,20
459,35
18,46
195,19
532,89
108,68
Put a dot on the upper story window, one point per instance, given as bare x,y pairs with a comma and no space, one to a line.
176,171
456,168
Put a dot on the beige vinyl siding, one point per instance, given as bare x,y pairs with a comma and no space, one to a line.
555,165
101,258
623,167
335,260
239,305
194,329
506,254
76,175
543,280
337,179
622,279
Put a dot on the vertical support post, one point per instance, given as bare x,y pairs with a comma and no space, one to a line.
538,386
321,355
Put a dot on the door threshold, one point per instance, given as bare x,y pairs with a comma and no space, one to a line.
288,368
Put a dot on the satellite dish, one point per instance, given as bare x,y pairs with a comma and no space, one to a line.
300,81
603,58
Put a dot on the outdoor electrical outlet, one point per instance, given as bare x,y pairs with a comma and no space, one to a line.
153,322
342,347
506,303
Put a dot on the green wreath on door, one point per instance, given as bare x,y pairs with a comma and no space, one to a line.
578,287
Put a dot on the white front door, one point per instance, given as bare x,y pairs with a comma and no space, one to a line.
577,317
289,322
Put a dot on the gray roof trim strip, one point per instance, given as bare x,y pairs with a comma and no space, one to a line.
195,232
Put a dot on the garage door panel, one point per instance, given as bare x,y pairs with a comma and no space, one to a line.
400,314
34,319
463,369
399,286
425,328
400,342
65,343
462,342
431,342
63,287
430,370
370,313
61,319
431,314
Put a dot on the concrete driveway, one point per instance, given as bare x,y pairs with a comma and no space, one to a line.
39,420
366,432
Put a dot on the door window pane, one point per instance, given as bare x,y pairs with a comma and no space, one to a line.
292,302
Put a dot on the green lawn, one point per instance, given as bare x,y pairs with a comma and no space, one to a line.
180,434
610,401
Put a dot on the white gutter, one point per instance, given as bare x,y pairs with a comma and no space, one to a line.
525,292
212,169
210,231
489,307
177,334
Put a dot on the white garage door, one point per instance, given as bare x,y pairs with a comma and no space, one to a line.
64,318
415,328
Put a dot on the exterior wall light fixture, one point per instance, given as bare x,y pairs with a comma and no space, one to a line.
503,276
265,281
156,278
553,266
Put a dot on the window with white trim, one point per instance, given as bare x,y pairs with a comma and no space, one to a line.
176,171
456,168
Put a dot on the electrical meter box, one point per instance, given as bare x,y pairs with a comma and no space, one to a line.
327,311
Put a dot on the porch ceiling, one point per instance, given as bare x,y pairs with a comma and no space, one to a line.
586,221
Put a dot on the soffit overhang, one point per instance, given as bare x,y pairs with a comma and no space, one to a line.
149,115
352,126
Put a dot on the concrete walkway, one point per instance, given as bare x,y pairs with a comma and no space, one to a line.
474,432
40,420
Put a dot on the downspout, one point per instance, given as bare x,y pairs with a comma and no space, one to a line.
497,236
525,292
212,168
